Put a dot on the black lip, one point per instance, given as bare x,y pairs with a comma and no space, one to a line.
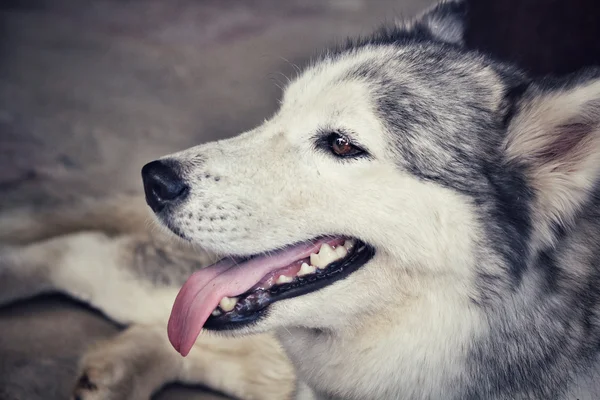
253,305
164,217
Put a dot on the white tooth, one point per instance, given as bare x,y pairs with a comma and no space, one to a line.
341,251
349,244
316,261
306,269
216,312
284,279
327,255
228,303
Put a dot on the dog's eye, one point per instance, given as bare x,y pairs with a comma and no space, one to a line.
342,147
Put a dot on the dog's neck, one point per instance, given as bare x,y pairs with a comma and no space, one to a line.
420,346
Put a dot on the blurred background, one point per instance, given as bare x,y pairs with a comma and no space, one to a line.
92,90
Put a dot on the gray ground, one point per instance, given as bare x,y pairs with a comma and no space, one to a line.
91,90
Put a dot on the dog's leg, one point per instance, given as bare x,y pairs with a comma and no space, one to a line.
132,365
134,279
249,367
113,215
140,361
130,278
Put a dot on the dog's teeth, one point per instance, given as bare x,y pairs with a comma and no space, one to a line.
228,303
284,279
327,254
306,269
216,312
316,261
341,252
349,244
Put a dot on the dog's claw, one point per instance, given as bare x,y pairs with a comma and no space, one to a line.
85,383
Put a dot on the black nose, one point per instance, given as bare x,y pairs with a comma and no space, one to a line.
162,184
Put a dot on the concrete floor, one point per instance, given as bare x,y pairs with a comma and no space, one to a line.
90,91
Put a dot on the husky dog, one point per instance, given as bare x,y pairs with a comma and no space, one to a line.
417,221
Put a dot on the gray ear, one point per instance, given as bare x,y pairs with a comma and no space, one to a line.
555,136
445,21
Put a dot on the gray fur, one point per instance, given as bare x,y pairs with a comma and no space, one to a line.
164,264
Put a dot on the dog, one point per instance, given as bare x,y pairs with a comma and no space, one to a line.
417,221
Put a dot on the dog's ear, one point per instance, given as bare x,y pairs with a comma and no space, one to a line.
555,135
445,21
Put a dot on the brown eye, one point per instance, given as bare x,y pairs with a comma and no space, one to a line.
342,147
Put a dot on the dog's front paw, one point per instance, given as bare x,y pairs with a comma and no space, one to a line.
132,366
105,378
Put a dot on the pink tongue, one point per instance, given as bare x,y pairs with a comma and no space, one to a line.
203,291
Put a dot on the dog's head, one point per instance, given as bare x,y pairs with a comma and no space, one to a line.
403,166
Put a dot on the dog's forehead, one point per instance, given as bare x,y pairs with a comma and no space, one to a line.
417,98
329,86
372,69
332,95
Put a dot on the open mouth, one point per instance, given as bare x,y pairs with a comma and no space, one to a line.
237,291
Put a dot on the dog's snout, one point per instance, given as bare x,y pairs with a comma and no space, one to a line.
162,184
